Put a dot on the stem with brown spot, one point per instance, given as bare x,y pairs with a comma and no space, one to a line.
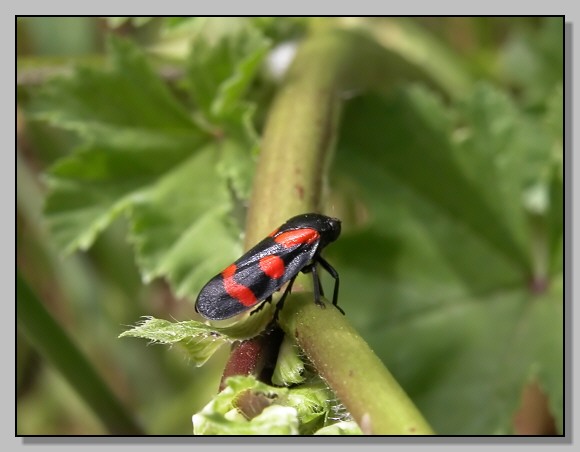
297,145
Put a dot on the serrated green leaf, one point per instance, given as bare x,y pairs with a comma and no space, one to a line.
199,340
225,57
145,157
134,132
128,102
179,226
88,190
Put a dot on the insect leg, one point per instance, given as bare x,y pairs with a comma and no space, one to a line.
316,285
332,272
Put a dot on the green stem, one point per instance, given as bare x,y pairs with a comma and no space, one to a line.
41,330
300,133
295,150
297,139
290,179
351,369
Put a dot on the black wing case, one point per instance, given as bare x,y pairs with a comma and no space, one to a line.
244,284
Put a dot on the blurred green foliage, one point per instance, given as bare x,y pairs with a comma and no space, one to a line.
139,166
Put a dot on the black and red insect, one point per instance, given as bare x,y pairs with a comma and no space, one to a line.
251,281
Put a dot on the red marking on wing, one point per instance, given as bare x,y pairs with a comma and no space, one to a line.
273,266
235,290
295,237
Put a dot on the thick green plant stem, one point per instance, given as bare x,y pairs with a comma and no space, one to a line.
297,139
300,133
351,369
46,336
290,179
295,150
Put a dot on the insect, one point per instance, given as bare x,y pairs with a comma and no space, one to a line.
251,281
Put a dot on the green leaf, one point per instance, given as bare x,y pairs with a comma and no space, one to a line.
539,345
226,54
533,59
236,165
247,407
445,268
117,107
225,58
199,340
145,157
180,228
473,358
436,196
129,145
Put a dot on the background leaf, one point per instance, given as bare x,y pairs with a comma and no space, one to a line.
179,226
128,145
445,269
226,54
451,256
147,158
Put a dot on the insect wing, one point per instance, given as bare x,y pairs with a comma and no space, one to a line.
254,277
